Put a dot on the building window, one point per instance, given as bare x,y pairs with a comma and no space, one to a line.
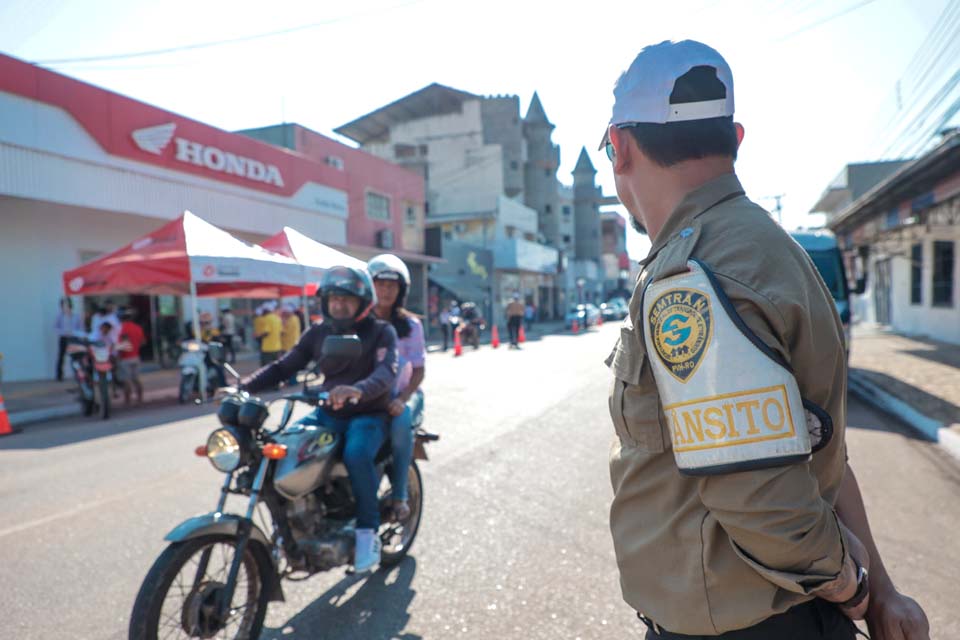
943,273
548,209
335,162
411,215
514,165
566,210
378,206
916,274
566,239
892,220
447,235
546,172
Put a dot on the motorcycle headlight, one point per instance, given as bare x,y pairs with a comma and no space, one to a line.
224,450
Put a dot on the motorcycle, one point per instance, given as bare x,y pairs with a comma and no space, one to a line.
470,324
195,354
221,570
92,364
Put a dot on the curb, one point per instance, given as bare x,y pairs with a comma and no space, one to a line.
21,418
72,410
929,428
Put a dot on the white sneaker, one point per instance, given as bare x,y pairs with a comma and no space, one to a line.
366,552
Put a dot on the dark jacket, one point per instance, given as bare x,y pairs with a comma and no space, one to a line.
374,372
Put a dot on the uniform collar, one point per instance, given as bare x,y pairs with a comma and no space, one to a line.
696,202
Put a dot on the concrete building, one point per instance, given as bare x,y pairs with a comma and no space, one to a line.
386,202
614,257
491,185
86,171
903,235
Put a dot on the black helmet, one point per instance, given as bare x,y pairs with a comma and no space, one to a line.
347,281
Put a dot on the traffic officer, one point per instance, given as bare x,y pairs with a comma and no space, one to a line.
734,514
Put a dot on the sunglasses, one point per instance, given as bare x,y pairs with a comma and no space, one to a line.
611,152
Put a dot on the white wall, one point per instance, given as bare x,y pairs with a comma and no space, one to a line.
939,323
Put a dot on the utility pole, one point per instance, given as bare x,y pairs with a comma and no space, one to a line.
777,208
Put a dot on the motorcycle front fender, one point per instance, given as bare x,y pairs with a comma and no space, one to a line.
228,524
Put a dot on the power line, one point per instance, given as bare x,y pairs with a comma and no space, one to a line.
218,43
822,21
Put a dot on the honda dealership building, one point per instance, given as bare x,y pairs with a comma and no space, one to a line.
84,171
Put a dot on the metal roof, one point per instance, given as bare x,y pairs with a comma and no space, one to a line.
910,180
434,99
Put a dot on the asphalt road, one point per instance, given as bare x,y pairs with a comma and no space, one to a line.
514,542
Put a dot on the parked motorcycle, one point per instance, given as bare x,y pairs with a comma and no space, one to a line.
195,354
92,364
222,569
470,324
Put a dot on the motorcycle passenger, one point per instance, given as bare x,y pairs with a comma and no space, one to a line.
360,390
391,279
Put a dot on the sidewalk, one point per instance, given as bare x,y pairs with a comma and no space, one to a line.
916,379
40,400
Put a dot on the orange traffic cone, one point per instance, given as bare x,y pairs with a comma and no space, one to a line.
575,327
494,337
457,345
600,320
5,428
521,336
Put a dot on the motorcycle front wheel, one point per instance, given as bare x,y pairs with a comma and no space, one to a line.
186,388
104,398
177,600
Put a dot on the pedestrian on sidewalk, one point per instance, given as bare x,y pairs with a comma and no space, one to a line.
228,331
271,345
768,537
444,320
69,324
290,333
529,314
131,339
105,313
514,314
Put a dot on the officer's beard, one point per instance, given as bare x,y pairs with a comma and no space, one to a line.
637,225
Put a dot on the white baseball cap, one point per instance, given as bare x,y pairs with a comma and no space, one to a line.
642,92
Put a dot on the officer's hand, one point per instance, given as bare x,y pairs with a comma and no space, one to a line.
339,396
396,407
894,616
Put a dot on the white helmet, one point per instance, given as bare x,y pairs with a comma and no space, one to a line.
387,266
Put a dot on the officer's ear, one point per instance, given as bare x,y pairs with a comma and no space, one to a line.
621,148
739,129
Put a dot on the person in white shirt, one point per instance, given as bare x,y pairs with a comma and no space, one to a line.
107,313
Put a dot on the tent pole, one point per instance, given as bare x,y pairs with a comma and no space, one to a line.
196,336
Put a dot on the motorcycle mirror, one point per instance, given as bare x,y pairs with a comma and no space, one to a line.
342,347
231,370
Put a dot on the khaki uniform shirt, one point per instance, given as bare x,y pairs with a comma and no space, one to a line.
514,309
709,554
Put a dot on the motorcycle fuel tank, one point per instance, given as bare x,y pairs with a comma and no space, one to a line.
311,451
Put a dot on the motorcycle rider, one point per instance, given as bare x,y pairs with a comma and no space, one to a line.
391,279
360,389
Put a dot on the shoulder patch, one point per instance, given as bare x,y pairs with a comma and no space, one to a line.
680,322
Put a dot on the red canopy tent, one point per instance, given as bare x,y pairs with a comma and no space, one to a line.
315,257
188,256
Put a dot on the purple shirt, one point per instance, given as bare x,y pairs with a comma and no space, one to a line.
412,353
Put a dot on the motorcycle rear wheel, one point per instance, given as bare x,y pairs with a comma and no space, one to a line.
397,545
174,576
104,398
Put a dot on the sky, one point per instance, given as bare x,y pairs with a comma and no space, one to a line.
810,76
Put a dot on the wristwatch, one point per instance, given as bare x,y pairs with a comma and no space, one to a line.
863,587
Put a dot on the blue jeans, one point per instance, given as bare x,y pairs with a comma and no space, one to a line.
401,441
363,436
